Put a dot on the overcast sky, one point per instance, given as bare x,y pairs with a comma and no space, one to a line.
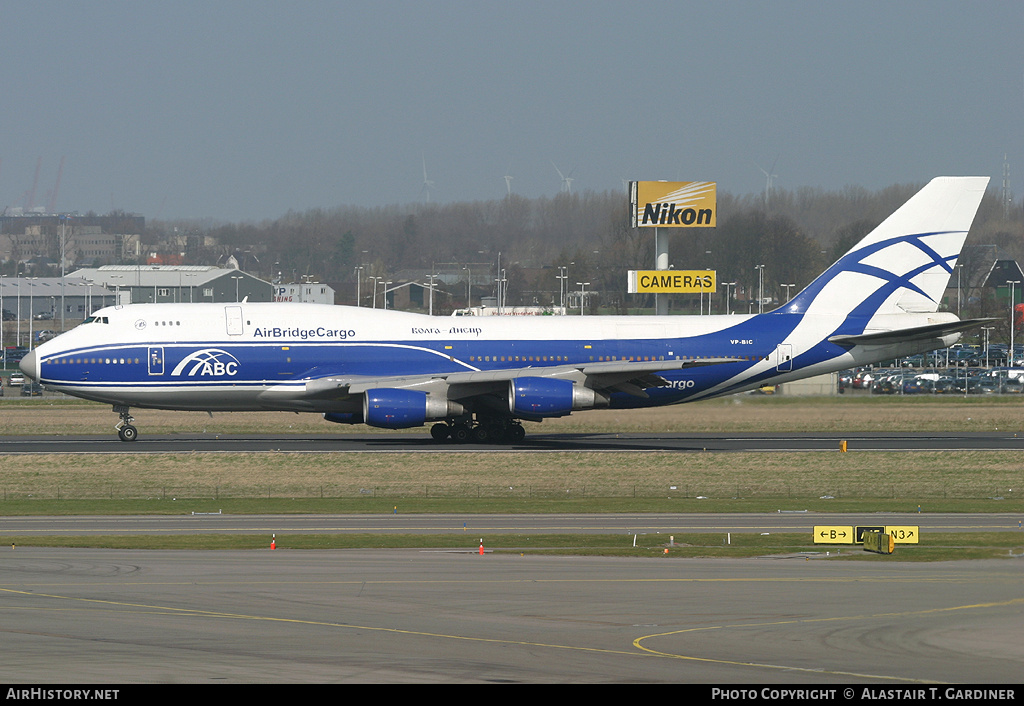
243,110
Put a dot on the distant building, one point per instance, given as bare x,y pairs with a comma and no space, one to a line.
1002,273
30,297
490,308
86,239
315,292
185,283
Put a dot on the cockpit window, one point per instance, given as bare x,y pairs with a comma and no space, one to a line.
96,320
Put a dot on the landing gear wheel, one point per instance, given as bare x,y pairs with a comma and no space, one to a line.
482,434
440,432
460,433
125,430
515,433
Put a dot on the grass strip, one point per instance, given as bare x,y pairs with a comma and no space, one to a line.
459,507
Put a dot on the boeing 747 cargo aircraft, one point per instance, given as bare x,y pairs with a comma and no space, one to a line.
478,379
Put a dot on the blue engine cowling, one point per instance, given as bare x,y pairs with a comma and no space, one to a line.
541,397
392,408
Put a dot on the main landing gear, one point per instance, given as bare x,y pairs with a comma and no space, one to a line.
125,430
487,431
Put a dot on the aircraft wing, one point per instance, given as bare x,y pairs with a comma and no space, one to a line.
631,377
909,334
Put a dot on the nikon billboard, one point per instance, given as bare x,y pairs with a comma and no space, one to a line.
673,204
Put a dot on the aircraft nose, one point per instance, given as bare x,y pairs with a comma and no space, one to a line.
30,365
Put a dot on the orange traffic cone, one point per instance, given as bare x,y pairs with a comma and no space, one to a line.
273,542
481,547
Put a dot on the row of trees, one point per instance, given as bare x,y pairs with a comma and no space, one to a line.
803,232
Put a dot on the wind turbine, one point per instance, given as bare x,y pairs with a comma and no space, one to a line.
427,184
566,180
768,176
508,181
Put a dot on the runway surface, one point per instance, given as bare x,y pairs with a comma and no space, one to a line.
537,443
121,617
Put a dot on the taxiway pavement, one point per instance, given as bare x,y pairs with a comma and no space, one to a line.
109,616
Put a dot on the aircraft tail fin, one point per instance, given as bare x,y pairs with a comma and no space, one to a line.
903,265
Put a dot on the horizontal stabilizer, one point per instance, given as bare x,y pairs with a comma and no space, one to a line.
904,335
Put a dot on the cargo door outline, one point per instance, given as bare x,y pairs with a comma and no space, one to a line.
784,357
155,358
233,320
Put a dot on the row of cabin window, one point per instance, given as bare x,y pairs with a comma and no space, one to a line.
600,358
96,361
553,358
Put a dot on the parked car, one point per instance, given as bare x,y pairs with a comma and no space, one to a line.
16,380
863,379
43,316
8,315
31,389
845,380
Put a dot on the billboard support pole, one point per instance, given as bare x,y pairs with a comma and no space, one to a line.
660,263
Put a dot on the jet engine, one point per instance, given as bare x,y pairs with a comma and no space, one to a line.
550,397
400,409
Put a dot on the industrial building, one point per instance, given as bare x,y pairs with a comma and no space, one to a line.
92,240
178,283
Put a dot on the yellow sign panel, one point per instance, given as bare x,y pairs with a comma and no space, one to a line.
671,281
833,534
904,534
674,204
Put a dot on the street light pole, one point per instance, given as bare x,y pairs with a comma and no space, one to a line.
431,309
760,288
63,241
562,276
583,294
1012,312
32,291
19,307
727,285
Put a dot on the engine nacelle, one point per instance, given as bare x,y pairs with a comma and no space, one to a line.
550,397
400,409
